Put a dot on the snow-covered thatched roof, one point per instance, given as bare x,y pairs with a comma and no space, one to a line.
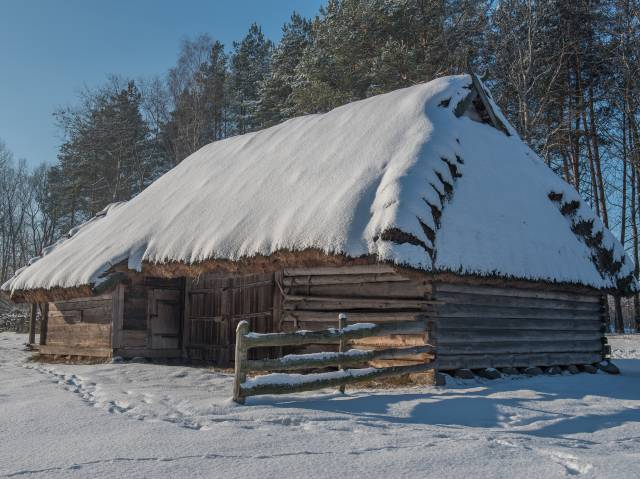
431,177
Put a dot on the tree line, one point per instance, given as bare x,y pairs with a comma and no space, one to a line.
565,73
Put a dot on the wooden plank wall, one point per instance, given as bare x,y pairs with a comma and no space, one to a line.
313,298
484,326
80,327
217,303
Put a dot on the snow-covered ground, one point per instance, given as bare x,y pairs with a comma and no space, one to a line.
147,420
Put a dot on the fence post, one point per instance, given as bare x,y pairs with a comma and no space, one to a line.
240,359
342,323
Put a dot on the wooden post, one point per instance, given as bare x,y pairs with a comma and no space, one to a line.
117,316
44,320
342,323
186,321
240,359
32,324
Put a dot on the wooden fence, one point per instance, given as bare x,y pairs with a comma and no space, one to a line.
282,383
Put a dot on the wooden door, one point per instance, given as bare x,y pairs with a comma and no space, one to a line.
217,303
164,318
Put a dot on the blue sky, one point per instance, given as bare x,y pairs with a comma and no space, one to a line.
50,49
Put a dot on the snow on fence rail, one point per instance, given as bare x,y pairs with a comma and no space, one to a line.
282,383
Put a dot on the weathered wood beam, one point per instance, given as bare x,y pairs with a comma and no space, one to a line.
300,338
516,292
346,270
476,299
506,347
475,336
44,322
32,323
327,279
312,383
544,324
493,360
362,317
353,357
466,311
74,350
338,304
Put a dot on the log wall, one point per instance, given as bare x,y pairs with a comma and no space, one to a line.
313,298
79,327
485,326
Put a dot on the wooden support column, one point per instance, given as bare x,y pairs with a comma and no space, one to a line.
186,323
44,321
32,324
117,316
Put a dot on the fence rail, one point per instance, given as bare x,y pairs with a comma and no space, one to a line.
283,383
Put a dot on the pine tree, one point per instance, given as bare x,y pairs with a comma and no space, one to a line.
276,103
249,67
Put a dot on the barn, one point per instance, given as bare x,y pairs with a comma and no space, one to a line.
422,203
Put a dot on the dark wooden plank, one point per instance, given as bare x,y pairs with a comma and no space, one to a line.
488,335
475,361
499,347
322,303
515,301
517,292
466,311
474,323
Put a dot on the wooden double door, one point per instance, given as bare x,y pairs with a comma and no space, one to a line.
217,303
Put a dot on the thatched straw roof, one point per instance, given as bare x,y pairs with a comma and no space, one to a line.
430,177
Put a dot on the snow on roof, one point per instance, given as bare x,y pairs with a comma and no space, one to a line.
402,176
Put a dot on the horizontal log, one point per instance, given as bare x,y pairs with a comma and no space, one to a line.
514,301
451,336
360,289
474,361
353,357
327,380
465,311
391,341
516,292
344,279
340,270
67,350
386,363
354,317
64,317
475,323
219,319
80,305
322,303
332,336
147,353
97,315
498,347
